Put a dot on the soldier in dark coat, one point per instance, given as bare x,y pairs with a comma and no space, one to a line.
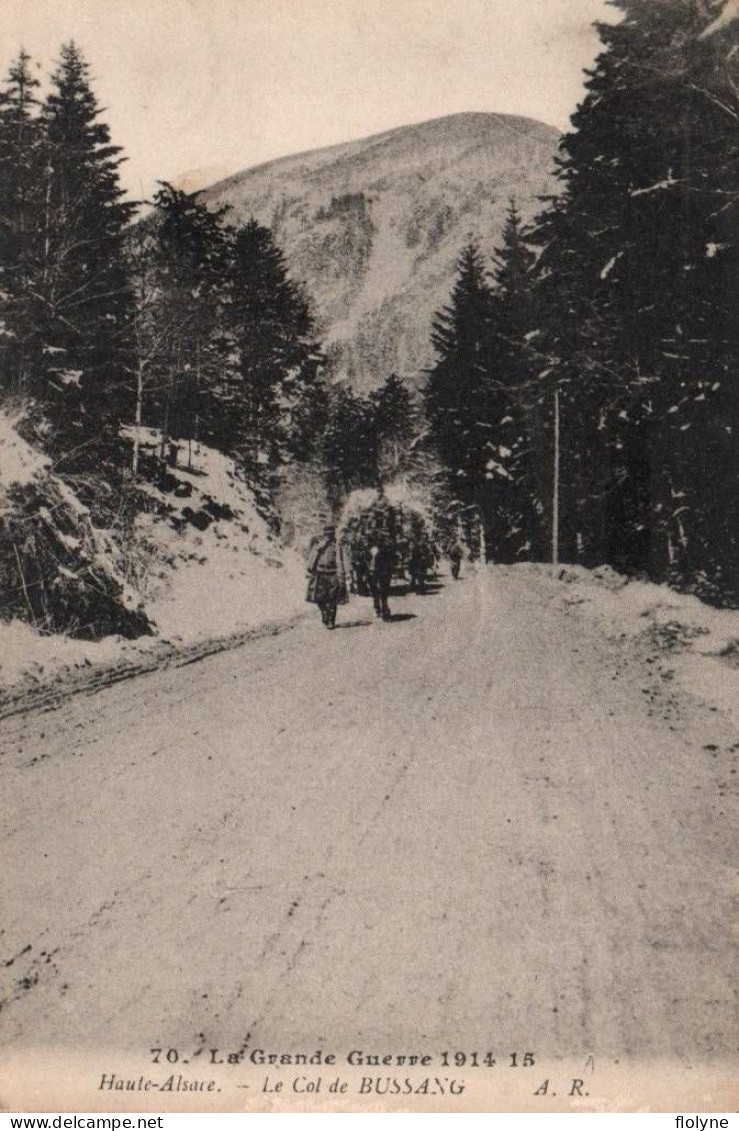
380,571
326,576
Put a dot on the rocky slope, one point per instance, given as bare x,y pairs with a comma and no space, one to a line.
374,227
198,566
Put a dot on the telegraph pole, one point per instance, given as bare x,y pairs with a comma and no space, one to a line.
555,484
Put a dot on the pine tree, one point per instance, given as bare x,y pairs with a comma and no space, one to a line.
513,526
308,420
456,395
225,334
186,336
274,353
639,260
512,275
21,179
85,289
393,419
348,447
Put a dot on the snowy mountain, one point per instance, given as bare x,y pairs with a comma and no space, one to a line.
374,227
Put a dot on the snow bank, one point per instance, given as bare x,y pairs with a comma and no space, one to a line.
58,571
629,608
41,516
703,641
214,564
24,653
203,563
19,462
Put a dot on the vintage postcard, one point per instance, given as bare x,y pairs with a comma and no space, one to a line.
369,555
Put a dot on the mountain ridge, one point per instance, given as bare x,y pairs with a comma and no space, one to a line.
373,227
384,135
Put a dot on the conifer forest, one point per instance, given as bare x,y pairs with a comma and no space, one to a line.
582,400
583,395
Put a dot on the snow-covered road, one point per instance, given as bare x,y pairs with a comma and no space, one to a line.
483,825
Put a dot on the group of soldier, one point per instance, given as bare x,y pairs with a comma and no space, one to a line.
365,561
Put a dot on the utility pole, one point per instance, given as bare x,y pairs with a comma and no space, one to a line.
555,484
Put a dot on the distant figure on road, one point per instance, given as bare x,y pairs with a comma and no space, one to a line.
420,562
327,576
359,555
380,570
455,559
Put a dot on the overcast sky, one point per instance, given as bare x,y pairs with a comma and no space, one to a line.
207,87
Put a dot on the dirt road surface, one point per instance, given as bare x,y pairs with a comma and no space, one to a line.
480,826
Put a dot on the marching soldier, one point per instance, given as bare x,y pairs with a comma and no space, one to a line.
327,576
380,569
